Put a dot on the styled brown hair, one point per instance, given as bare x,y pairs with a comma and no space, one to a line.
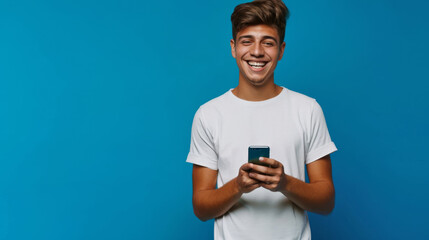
273,13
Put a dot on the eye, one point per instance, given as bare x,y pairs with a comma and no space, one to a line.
246,42
269,44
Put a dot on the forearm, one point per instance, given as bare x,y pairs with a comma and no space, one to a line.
318,197
214,203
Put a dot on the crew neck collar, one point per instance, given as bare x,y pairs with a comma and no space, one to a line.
257,103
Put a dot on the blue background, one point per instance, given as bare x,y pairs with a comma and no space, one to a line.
97,100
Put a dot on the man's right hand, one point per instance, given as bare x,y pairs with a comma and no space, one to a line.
210,202
246,184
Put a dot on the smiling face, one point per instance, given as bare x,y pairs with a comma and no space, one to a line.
257,50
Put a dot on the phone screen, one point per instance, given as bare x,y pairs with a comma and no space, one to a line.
258,151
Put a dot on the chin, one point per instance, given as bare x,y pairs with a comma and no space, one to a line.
257,83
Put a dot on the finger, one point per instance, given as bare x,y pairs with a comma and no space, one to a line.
273,163
246,167
262,177
253,183
263,169
267,186
253,187
250,181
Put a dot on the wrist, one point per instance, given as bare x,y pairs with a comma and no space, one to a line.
237,188
286,185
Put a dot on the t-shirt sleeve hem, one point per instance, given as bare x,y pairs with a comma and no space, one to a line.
321,152
201,161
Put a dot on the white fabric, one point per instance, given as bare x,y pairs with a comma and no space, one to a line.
294,128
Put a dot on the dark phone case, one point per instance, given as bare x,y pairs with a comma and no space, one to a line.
256,152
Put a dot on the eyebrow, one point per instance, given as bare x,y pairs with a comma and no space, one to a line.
263,37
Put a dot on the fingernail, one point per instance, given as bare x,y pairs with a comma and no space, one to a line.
261,159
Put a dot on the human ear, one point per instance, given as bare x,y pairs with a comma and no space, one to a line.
232,42
282,50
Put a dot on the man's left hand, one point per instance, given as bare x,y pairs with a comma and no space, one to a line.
272,178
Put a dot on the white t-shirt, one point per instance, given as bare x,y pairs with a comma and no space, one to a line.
294,128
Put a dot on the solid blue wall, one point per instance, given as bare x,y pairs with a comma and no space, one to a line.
97,100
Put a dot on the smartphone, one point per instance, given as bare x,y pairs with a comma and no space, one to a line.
256,151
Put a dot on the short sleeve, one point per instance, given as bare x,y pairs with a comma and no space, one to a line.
319,142
202,151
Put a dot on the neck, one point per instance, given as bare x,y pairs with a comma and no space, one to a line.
251,92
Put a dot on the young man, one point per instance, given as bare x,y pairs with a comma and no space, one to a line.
254,201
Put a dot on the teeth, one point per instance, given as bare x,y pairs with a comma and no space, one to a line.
257,64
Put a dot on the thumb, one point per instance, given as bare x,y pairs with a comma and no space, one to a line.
245,167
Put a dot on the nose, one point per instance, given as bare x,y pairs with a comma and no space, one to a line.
257,50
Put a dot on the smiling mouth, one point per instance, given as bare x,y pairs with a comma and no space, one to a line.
256,65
